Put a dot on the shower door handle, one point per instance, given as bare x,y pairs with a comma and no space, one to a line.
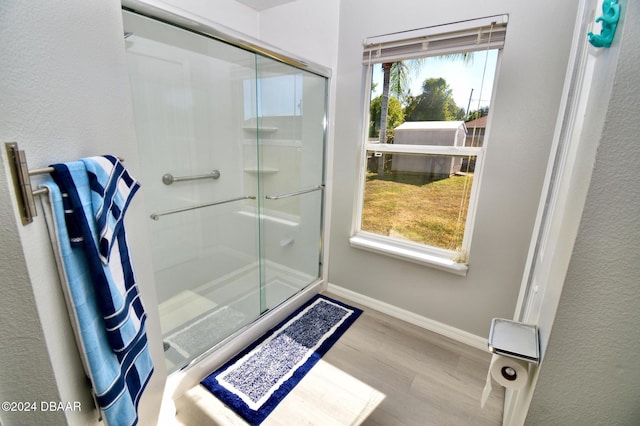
156,216
293,194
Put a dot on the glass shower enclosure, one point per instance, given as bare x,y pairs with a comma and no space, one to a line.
232,147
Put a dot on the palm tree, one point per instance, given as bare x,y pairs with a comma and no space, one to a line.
395,79
384,111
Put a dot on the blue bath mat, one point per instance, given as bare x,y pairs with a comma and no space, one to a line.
256,380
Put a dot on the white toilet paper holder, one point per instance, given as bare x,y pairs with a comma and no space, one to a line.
514,339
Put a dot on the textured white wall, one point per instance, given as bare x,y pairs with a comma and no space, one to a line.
528,91
590,374
24,360
65,95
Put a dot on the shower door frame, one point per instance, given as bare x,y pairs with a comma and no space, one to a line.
196,24
192,373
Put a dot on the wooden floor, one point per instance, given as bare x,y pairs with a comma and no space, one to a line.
382,372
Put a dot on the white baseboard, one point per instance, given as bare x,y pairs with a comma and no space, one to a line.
412,318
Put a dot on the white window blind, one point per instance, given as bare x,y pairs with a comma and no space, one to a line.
464,36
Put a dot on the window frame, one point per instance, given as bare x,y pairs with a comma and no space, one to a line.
455,262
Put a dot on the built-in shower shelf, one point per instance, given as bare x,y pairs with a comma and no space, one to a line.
261,129
263,171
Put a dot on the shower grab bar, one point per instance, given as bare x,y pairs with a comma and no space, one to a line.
168,178
156,216
293,194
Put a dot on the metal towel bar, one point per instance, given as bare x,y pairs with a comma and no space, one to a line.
156,216
293,194
22,181
168,178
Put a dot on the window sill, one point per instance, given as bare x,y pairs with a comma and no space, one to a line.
406,251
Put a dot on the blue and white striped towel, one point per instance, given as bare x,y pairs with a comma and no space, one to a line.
112,189
107,309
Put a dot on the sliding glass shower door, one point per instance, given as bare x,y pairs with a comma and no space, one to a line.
290,127
231,146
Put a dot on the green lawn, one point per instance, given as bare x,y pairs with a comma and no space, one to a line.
433,213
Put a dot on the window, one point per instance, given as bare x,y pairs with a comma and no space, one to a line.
427,111
279,95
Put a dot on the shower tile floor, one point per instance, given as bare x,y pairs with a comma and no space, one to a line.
195,320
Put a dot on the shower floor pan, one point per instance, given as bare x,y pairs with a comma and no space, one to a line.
196,319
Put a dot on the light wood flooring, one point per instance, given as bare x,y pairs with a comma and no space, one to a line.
382,372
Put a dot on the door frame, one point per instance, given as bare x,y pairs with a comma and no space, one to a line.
578,129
